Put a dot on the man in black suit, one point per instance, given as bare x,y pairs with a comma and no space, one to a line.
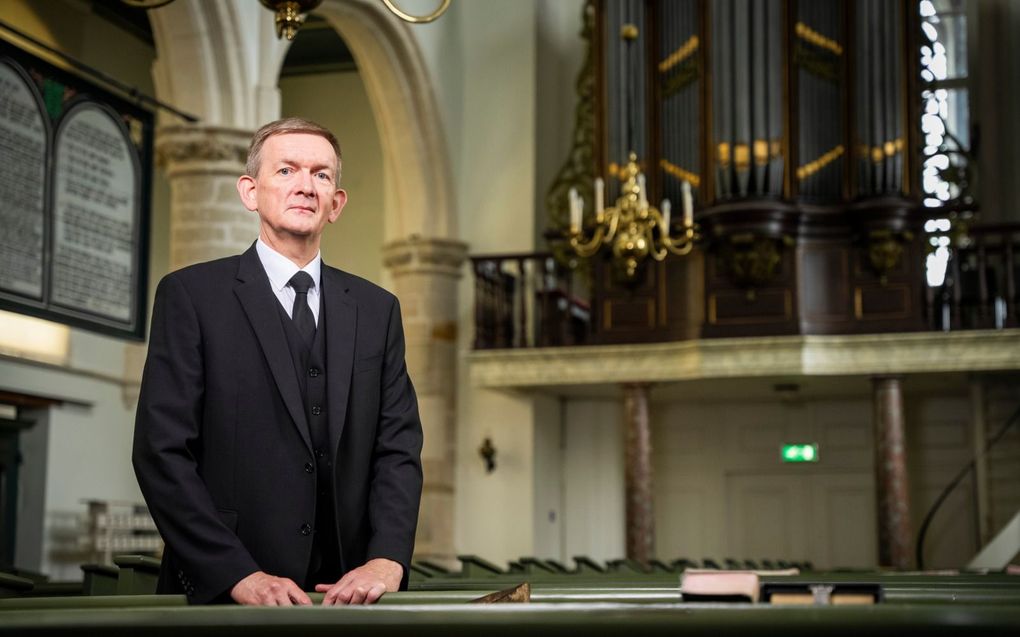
277,440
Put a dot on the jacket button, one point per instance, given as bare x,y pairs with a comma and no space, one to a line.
316,410
309,468
313,372
306,529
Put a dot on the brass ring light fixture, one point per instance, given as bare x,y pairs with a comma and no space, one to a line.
290,14
424,19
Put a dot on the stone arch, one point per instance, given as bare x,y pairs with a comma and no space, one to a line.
220,61
417,175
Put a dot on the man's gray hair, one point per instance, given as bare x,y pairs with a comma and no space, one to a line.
283,127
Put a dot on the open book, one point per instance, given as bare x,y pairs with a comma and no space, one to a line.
698,584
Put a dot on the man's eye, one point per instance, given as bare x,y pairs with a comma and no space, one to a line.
322,175
285,171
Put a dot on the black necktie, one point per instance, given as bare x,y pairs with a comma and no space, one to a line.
302,313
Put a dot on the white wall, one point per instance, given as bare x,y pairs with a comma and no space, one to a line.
558,61
593,468
939,438
495,511
721,490
720,487
549,496
87,451
338,101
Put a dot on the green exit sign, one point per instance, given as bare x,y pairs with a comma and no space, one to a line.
800,453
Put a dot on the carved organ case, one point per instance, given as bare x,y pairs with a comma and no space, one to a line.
794,123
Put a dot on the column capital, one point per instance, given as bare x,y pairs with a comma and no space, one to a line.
207,150
417,255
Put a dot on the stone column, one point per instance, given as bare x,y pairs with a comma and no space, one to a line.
893,494
425,274
207,220
640,514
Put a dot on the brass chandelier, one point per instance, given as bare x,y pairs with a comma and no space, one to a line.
634,229
290,14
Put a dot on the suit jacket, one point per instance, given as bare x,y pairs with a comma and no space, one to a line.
222,449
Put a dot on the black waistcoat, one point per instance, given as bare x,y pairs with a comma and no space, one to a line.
310,366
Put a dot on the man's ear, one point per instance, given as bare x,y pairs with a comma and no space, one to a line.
248,189
339,201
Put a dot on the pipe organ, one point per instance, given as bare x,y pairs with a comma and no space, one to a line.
795,125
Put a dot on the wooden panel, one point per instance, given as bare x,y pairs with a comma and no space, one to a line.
628,314
685,295
755,438
593,497
768,310
843,508
680,522
890,301
828,518
847,436
732,307
663,303
763,519
824,283
862,265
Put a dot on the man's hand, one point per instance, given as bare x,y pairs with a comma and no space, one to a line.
263,589
364,585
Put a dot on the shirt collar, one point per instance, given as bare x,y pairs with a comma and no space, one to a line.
280,269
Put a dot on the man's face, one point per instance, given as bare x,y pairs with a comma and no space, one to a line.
295,193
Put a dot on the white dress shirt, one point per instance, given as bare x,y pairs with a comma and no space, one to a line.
280,269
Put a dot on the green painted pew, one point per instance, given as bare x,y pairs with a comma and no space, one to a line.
902,593
137,575
497,620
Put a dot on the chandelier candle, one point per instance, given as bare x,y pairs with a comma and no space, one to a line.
632,230
688,203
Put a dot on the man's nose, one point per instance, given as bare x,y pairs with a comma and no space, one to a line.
306,183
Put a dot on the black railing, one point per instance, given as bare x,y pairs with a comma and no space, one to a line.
532,300
528,300
980,290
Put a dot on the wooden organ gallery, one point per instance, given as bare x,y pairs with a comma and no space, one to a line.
791,121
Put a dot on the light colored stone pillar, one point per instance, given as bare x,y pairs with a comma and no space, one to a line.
640,514
425,274
894,530
207,220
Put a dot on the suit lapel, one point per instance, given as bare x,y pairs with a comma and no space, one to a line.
259,303
341,323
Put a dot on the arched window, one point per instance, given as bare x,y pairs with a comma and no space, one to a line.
946,178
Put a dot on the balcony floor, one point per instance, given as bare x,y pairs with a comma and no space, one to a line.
823,360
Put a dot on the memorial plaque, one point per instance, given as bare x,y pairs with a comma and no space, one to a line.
96,177
23,138
74,198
